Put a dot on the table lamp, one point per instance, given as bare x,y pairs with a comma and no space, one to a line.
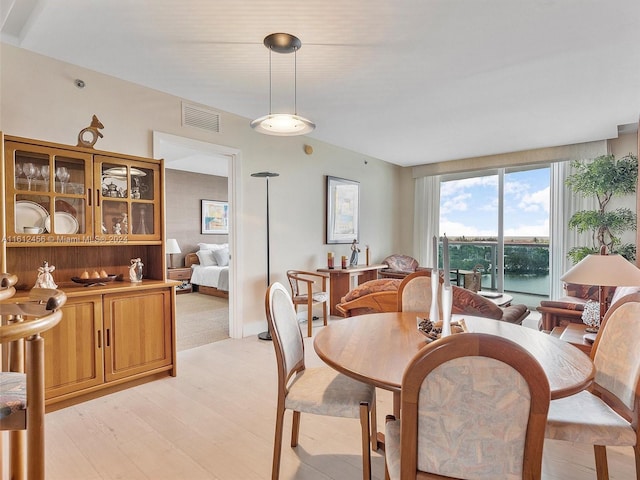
172,247
604,271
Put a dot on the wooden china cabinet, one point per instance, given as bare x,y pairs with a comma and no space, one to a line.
83,210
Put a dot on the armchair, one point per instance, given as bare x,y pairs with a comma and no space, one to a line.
303,293
398,266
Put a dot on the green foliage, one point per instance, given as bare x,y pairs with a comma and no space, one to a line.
604,177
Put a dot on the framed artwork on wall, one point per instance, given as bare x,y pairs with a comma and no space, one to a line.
343,210
215,217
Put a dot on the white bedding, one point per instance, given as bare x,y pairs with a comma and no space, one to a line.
213,276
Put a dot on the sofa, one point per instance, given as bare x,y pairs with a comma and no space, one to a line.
376,296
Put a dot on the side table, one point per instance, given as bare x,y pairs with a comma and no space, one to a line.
574,333
181,273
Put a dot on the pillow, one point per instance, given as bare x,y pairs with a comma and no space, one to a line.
212,246
221,256
205,258
623,291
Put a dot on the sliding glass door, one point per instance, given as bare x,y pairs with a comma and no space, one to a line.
497,223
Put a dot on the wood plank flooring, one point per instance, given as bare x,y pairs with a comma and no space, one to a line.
215,420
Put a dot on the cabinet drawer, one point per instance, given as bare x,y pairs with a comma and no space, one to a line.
179,273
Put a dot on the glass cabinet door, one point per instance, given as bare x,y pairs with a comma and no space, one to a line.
129,199
46,193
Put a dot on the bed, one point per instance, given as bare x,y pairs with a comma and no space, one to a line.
210,269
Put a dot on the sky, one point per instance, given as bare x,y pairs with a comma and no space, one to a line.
469,207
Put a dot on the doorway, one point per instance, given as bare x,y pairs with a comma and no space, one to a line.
187,155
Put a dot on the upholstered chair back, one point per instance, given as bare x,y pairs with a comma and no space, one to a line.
285,333
414,293
617,358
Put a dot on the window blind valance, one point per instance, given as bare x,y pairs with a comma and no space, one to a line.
578,151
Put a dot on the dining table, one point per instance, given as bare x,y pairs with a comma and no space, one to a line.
376,349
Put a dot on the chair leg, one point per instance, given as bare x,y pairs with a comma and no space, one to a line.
295,428
277,444
35,412
324,312
374,425
602,469
366,450
310,317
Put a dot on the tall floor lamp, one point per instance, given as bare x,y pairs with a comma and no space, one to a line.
266,335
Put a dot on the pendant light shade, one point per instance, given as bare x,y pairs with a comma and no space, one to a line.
283,124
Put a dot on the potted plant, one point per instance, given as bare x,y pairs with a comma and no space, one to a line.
604,177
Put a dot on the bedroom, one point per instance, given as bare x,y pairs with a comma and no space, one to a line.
186,187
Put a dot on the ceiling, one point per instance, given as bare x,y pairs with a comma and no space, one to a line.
406,81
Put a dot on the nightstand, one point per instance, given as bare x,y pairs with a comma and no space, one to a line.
181,273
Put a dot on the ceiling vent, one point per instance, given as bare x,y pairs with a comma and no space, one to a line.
200,117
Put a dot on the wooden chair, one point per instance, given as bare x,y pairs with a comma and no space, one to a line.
414,292
22,394
303,293
472,406
608,414
321,391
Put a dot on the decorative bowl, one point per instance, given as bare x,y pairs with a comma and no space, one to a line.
433,331
93,281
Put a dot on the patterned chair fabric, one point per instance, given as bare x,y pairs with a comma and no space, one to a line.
321,390
398,266
470,405
13,393
372,286
588,417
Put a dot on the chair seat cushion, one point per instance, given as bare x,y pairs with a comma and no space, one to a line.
13,393
324,391
585,418
316,297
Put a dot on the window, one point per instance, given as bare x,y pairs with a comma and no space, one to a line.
498,221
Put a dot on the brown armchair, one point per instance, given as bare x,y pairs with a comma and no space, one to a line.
304,291
398,266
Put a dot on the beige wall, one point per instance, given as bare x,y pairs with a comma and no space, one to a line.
38,99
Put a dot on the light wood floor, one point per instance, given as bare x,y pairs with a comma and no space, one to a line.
215,420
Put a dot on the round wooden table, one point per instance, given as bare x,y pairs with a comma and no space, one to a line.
376,348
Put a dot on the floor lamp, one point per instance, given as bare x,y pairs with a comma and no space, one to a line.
266,335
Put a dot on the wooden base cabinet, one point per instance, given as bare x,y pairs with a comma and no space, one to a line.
106,340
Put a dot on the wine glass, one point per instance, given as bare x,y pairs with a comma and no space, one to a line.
63,175
44,173
29,170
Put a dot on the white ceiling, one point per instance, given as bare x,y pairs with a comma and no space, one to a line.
406,81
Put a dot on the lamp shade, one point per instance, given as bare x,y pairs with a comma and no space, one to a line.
172,246
603,270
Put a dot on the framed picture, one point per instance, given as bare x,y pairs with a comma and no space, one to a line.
215,217
343,210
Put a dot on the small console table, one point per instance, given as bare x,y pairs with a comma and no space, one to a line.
340,280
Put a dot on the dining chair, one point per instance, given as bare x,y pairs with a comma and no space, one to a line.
607,414
414,293
22,378
320,390
304,292
473,406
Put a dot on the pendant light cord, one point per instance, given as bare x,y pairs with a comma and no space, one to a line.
295,81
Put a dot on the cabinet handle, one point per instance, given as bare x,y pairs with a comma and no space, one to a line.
89,196
99,338
108,339
98,197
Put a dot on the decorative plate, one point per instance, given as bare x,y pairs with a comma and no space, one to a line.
29,214
65,223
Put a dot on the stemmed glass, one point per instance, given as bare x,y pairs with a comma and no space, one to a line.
29,170
44,173
63,175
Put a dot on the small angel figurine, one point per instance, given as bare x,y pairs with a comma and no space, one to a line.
45,279
135,270
354,253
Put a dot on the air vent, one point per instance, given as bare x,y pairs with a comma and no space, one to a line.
200,117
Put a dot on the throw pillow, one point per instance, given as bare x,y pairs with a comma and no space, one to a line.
221,256
212,246
206,258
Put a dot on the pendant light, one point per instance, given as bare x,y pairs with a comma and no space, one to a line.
283,124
